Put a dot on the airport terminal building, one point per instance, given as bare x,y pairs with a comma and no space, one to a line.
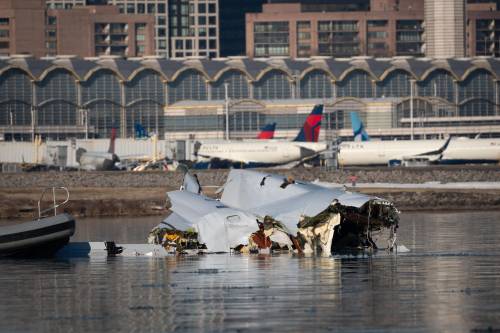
67,97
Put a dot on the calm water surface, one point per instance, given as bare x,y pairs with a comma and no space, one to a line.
450,282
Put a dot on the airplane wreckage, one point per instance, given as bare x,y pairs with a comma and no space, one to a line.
261,213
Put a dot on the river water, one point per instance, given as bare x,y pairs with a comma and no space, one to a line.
449,282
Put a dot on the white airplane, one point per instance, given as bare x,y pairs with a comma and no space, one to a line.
261,212
263,153
417,152
100,161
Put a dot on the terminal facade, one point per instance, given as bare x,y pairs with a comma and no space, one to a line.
68,97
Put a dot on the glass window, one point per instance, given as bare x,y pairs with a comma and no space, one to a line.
271,39
212,20
212,32
202,32
211,8
130,8
202,20
51,20
202,8
189,44
4,45
161,8
51,45
377,23
151,8
212,44
377,34
202,44
141,8
162,20
178,44
184,9
303,25
121,8
4,33
162,32
4,21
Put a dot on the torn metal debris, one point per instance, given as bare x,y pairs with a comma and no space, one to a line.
260,212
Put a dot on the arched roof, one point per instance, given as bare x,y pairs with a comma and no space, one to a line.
254,69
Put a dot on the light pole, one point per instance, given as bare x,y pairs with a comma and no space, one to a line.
86,120
226,98
11,122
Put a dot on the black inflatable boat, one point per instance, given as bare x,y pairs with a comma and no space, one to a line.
42,237
39,238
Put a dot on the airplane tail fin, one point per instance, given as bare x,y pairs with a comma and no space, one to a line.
310,130
140,132
111,148
267,132
358,128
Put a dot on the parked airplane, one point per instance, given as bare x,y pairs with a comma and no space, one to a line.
262,153
417,152
267,132
93,160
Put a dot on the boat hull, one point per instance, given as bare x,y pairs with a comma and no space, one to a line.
36,239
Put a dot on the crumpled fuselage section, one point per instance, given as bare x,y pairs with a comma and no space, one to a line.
260,212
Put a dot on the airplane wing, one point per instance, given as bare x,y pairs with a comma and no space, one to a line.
439,151
431,156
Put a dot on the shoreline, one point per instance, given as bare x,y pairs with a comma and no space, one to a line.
96,194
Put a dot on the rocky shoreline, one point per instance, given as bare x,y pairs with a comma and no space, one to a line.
139,194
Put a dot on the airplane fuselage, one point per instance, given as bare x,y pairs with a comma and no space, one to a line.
266,152
460,150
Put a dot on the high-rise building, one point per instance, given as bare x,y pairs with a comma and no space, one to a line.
182,27
22,27
98,30
344,29
445,28
64,4
156,8
232,24
379,28
483,27
194,28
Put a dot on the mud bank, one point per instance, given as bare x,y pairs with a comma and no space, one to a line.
140,194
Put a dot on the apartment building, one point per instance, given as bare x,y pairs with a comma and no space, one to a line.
98,30
379,28
22,27
388,28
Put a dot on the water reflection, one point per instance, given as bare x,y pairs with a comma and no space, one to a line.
449,282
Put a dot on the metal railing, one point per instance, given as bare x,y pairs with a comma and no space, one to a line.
56,205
